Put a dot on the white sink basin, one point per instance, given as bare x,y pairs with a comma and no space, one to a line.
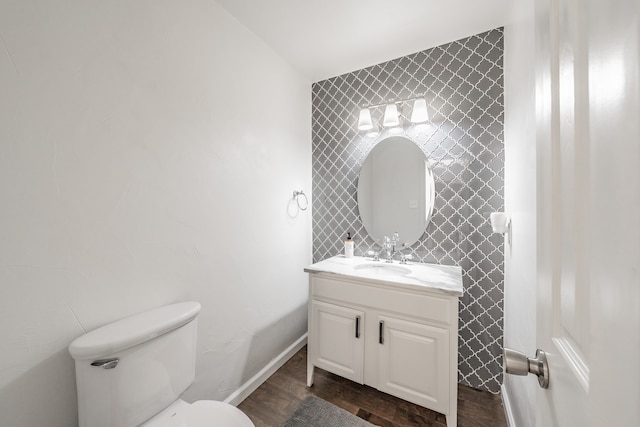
382,269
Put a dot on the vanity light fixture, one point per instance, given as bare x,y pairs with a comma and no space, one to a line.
419,114
364,121
391,118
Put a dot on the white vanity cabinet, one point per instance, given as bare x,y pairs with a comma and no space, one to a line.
401,338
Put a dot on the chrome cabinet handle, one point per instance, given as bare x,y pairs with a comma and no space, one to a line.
357,326
517,363
381,333
106,363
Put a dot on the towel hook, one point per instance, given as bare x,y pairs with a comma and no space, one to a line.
296,196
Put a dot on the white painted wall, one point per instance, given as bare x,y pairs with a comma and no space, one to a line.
520,204
148,152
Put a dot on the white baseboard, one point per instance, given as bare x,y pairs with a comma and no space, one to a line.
506,403
254,382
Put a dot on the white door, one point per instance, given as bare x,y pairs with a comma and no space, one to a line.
337,343
588,115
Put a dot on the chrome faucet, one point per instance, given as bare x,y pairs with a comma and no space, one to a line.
386,246
389,246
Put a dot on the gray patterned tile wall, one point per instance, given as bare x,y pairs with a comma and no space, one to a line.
463,83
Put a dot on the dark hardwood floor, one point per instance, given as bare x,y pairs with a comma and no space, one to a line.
280,395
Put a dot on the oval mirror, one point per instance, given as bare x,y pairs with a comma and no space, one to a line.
396,190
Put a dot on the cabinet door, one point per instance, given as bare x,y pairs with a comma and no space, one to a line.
413,362
336,343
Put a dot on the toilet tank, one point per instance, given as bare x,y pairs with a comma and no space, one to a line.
129,370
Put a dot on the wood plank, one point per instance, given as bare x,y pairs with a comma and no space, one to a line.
272,403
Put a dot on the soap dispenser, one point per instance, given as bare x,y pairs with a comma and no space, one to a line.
348,247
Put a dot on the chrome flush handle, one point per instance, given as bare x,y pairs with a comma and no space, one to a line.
106,363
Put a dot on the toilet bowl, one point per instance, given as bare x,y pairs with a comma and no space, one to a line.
132,372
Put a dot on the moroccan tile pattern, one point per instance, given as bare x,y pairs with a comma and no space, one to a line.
463,84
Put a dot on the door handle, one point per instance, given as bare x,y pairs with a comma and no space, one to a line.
357,326
381,332
517,363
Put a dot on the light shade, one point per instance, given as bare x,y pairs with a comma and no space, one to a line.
419,113
391,118
364,121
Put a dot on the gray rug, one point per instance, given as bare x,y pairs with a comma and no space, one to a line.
315,412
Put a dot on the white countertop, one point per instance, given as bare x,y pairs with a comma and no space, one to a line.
445,278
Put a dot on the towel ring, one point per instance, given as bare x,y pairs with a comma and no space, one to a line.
296,196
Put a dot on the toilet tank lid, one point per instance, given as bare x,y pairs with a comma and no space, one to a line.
134,330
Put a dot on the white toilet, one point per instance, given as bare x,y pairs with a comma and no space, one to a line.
132,372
